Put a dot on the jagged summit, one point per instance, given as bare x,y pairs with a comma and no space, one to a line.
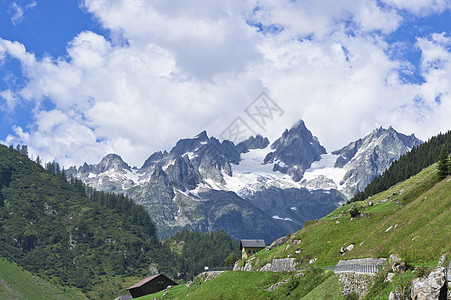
189,145
203,135
112,162
295,151
365,158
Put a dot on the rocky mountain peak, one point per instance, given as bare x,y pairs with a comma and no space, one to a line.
189,145
112,162
202,136
204,184
295,151
366,158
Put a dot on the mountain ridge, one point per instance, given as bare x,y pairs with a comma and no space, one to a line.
251,169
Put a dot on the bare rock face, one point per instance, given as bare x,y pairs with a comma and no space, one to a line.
278,242
432,287
295,151
281,265
395,296
247,267
365,158
257,142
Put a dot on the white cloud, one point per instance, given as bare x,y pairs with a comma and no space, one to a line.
206,38
319,18
174,69
15,50
17,11
59,135
421,7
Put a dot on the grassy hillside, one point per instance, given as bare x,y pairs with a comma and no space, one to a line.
17,283
411,219
253,285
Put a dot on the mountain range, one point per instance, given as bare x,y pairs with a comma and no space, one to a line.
254,189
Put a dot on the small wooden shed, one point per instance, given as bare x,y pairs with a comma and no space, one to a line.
250,247
150,285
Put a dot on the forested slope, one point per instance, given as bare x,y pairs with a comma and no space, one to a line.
72,235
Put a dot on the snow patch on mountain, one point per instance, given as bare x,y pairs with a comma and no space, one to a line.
276,217
252,175
325,167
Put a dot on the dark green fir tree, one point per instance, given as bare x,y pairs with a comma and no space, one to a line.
443,163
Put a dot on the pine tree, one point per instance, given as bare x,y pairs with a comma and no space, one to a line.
443,163
24,150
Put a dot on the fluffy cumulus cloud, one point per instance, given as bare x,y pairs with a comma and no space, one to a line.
170,69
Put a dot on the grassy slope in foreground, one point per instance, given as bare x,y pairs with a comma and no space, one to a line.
17,283
252,285
415,224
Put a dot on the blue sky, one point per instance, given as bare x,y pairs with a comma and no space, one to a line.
81,79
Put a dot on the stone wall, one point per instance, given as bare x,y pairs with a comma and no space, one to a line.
356,283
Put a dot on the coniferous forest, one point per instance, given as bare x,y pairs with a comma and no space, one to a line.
76,236
199,250
410,164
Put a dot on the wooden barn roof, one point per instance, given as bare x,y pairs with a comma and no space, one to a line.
252,244
146,280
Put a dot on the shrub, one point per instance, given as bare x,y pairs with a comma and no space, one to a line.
401,283
378,285
352,296
354,212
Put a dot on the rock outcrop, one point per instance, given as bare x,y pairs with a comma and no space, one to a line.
346,249
278,242
399,267
281,265
432,287
276,265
